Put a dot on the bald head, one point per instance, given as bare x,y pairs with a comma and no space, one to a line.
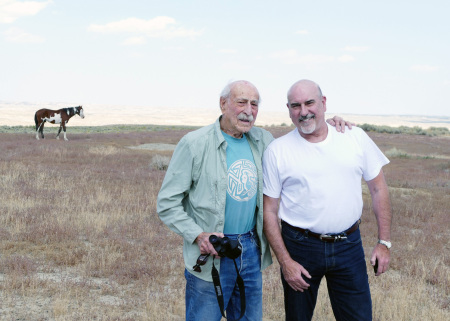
304,85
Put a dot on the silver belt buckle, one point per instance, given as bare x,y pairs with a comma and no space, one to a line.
335,237
340,237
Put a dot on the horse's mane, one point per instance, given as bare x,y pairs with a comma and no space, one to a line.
71,110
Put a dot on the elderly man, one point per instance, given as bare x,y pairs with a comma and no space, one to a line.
316,176
213,186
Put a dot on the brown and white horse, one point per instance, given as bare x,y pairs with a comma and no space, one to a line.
60,116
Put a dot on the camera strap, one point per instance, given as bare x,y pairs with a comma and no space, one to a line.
219,293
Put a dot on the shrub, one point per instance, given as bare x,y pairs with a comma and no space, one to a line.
160,162
416,130
394,152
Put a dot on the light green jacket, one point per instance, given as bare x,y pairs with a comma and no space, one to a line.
193,193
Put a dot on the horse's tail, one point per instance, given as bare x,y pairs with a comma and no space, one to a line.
35,120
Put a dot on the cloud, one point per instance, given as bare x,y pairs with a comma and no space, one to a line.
302,32
174,48
133,41
423,68
346,58
357,48
11,10
19,36
228,51
159,27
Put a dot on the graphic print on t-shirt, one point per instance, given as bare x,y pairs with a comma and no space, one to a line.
242,180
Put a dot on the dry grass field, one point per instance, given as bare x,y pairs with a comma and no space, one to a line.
80,238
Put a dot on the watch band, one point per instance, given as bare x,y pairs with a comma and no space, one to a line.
385,243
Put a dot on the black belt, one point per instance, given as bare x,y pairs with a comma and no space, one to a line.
326,237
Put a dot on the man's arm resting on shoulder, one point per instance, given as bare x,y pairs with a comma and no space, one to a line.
292,271
340,123
382,208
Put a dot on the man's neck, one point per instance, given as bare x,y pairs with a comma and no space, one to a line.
235,134
317,136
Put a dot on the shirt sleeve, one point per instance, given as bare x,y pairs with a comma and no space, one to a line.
271,177
374,159
175,188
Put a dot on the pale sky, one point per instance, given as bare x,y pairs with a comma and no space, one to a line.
383,57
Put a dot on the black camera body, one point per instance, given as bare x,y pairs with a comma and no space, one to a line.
226,247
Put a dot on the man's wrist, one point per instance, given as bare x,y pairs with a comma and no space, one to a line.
284,260
199,237
388,244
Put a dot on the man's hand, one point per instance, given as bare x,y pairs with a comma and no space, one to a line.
340,123
203,243
382,208
383,255
292,273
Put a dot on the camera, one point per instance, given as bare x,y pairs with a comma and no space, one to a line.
226,247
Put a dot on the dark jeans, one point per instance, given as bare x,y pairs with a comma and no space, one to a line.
344,267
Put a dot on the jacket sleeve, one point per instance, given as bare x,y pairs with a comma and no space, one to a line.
175,188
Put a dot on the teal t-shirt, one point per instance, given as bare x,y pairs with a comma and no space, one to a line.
242,186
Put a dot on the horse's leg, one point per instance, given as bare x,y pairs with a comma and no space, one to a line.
64,128
37,125
60,127
37,131
41,129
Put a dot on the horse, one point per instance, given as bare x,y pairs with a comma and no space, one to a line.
60,116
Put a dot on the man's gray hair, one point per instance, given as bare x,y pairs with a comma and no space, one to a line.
226,92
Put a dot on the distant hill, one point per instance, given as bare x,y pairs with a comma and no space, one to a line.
22,114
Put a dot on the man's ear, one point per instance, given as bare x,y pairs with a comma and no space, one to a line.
222,102
324,101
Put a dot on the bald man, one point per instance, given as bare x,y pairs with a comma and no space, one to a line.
312,182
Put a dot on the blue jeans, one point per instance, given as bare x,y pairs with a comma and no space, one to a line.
201,300
344,267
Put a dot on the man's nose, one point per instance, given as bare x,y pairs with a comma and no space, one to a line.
303,110
248,108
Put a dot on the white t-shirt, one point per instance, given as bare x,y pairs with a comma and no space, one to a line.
320,183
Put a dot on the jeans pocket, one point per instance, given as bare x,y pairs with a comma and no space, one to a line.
255,240
291,234
354,238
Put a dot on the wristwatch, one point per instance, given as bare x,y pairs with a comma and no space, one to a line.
385,243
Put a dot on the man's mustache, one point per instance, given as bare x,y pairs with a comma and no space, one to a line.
243,116
309,116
